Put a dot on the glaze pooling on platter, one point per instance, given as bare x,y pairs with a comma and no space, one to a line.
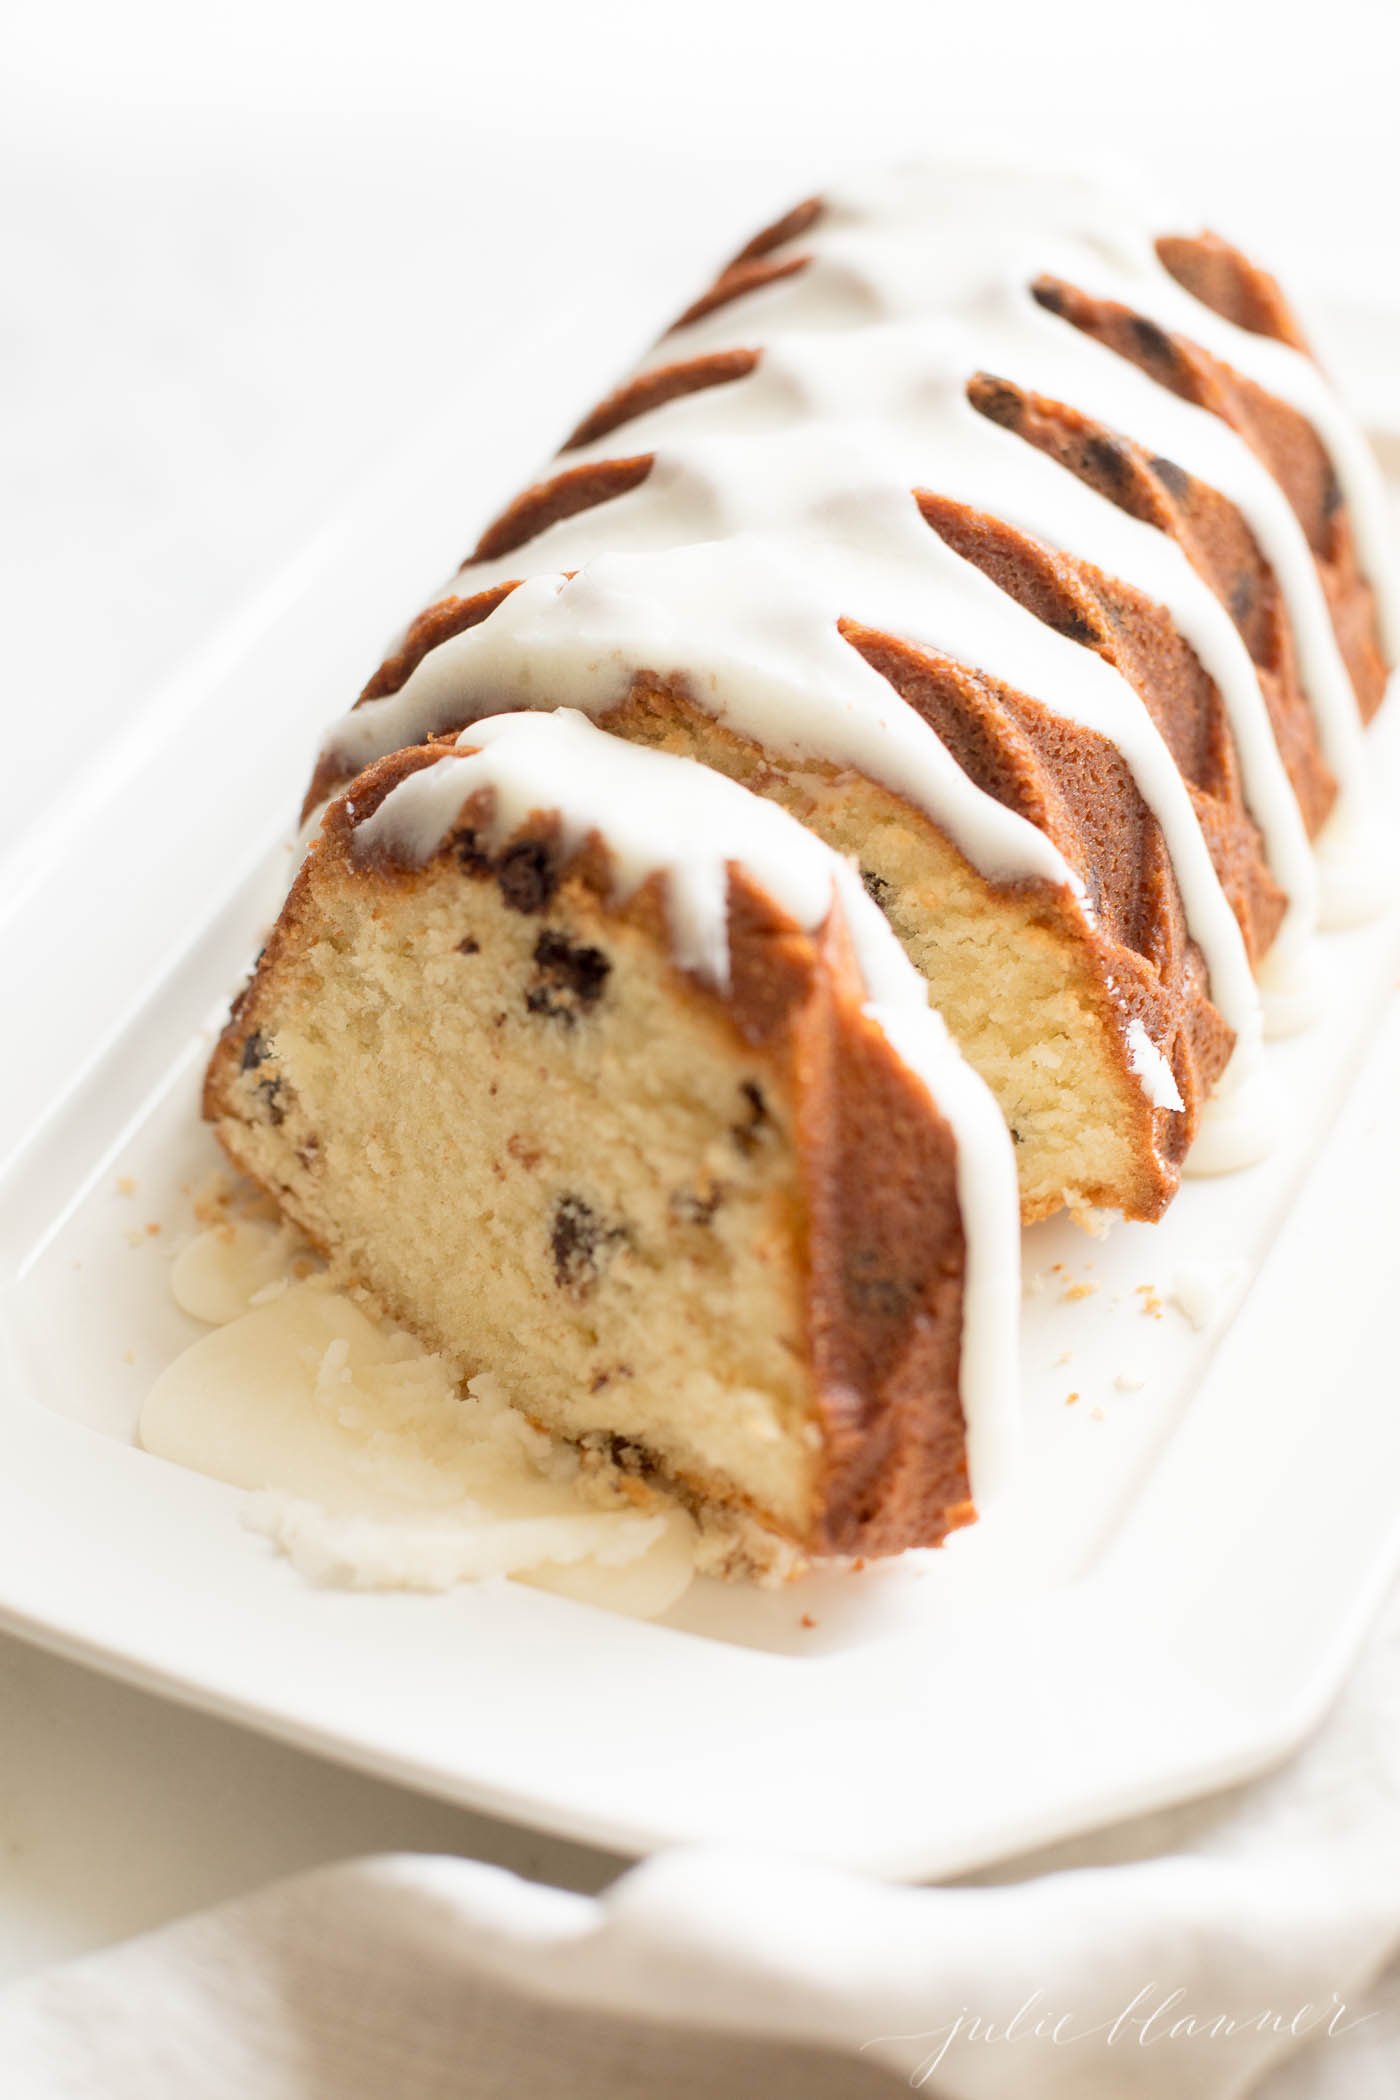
660,815
366,1458
759,514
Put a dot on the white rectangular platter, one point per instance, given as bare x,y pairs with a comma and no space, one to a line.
1165,1602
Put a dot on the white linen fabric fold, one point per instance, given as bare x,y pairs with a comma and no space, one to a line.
1238,1940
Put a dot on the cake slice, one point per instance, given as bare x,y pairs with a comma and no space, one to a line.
604,1075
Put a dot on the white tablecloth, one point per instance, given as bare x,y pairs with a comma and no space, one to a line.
1247,1937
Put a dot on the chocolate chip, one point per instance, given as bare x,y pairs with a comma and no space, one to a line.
581,1243
627,1456
691,1208
271,1092
1075,627
1242,596
1173,478
254,1051
637,1461
995,399
1154,342
527,875
571,978
1109,459
470,946
470,854
876,888
746,1135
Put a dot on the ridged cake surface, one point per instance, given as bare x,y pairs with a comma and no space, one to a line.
1026,555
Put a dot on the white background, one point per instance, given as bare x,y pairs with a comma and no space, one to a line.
248,251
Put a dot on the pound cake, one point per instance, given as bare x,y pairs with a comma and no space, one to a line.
1021,551
603,1074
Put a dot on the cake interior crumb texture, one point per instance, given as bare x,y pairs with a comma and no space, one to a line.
511,1129
1021,998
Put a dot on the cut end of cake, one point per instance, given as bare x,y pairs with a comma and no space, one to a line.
702,1216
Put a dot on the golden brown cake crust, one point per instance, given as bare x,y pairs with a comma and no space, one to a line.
882,1247
1215,539
1284,439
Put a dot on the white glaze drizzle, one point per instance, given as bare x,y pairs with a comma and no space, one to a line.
933,241
1157,1076
771,513
759,544
911,380
974,225
669,816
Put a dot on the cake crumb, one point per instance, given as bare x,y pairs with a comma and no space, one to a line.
212,1197
1071,1399
1151,1303
152,1229
128,1356
1130,1381
807,1619
1096,1414
1078,1290
1065,1356
126,1185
